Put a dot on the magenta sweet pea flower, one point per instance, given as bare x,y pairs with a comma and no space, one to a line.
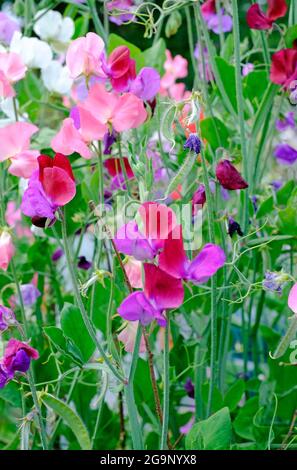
158,221
257,19
147,84
120,68
292,299
17,357
161,292
229,177
174,261
4,377
114,168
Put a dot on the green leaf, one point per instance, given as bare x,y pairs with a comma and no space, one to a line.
291,36
234,395
155,56
215,132
255,85
227,74
74,328
286,340
11,394
62,344
243,423
136,54
266,207
213,433
70,417
283,194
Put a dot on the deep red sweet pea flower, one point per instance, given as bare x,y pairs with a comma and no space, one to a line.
229,177
56,177
257,19
284,67
114,167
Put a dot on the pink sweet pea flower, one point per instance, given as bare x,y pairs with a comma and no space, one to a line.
174,261
284,67
257,19
128,335
70,139
17,357
84,56
110,110
12,70
133,271
12,214
161,292
14,145
7,250
292,299
175,68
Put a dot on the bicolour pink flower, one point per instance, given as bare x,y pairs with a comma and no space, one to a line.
161,292
14,146
134,272
84,56
107,109
17,358
12,214
12,70
120,68
257,19
128,335
49,188
174,261
292,299
158,222
284,67
7,250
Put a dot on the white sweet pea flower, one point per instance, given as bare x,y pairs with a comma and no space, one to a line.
56,78
55,29
35,54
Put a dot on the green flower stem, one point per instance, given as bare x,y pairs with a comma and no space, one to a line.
166,383
99,28
129,395
191,45
87,321
240,104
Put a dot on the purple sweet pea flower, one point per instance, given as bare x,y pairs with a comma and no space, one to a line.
234,227
220,23
147,84
285,154
17,357
8,26
36,204
188,426
108,140
193,143
287,122
130,241
83,263
29,294
161,292
74,114
189,388
4,377
7,318
124,8
58,253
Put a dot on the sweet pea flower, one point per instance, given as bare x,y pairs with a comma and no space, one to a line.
35,54
193,143
285,151
50,187
146,84
12,69
7,250
84,56
247,68
56,78
257,19
161,292
30,294
128,335
133,270
158,221
120,68
198,199
122,11
174,261
175,67
292,299
17,357
234,227
4,378
8,26
52,27
229,177
7,318
114,168
14,146
103,110
284,67
218,23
